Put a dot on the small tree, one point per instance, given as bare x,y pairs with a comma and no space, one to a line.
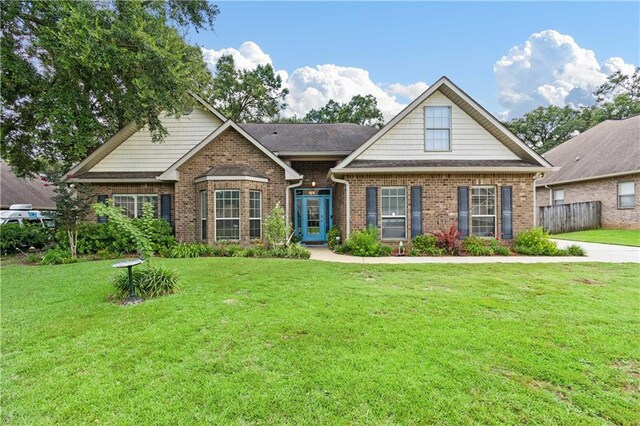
125,225
73,203
276,230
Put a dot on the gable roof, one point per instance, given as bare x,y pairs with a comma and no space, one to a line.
15,190
287,139
608,149
172,172
124,134
470,107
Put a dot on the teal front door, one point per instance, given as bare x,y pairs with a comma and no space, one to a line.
315,218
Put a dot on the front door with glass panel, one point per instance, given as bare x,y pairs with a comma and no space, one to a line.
313,214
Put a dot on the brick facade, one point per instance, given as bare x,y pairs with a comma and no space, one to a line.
109,189
439,197
603,190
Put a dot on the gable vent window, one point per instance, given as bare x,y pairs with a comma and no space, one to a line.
438,128
626,195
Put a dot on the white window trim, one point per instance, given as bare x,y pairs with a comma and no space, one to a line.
555,199
495,210
239,218
623,195
437,128
255,218
135,202
382,216
205,218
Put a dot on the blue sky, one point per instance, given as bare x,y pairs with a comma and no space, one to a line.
415,43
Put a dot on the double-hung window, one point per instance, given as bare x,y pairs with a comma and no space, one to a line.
394,213
626,195
203,215
438,128
132,203
558,197
255,215
483,211
227,215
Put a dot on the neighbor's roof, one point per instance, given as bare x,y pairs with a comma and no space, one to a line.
310,138
233,170
15,190
610,148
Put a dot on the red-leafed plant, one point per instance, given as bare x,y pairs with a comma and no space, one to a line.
448,239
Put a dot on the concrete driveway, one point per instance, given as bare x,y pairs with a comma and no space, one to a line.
595,253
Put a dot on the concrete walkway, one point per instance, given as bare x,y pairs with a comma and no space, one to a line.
595,253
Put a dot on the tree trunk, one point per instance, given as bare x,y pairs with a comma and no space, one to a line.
73,242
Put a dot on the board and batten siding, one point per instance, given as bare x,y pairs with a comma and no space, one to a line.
406,140
139,154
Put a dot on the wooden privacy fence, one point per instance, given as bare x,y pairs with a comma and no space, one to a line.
570,217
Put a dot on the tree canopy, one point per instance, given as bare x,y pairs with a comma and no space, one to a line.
75,72
547,127
360,109
246,95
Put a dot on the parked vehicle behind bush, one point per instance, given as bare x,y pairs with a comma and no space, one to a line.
16,238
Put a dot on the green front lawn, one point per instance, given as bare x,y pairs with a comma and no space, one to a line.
304,342
625,237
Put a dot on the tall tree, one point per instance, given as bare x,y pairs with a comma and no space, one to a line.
361,110
253,95
74,72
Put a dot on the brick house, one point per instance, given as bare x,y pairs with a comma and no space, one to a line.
601,164
442,159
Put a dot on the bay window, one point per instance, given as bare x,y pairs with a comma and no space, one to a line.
227,215
255,215
203,215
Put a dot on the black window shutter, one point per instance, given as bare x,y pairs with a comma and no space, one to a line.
463,211
102,199
416,211
507,213
372,206
165,207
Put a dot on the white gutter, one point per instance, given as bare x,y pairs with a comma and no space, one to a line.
562,182
287,202
356,170
535,199
550,195
347,205
114,180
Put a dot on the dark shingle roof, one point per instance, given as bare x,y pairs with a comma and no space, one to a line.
15,190
233,170
610,147
359,164
310,137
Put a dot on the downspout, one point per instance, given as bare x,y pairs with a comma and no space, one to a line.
550,195
287,198
535,198
347,205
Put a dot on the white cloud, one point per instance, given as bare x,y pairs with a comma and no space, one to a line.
550,68
313,86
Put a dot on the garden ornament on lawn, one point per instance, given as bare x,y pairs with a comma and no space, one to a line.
129,264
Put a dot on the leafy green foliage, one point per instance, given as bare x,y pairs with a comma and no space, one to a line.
360,109
148,281
16,238
76,71
190,250
276,230
425,245
535,242
126,226
448,239
58,256
477,246
187,250
573,250
246,95
334,238
365,243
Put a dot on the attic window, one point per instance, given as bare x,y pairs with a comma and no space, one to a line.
438,128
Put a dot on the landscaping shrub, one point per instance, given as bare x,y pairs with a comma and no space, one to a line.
16,238
535,242
58,256
477,246
448,239
365,243
276,230
148,281
187,250
425,245
573,250
292,251
334,238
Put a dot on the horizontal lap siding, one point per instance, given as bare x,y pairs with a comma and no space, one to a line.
139,153
469,140
439,197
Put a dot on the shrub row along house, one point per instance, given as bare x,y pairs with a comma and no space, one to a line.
601,164
443,159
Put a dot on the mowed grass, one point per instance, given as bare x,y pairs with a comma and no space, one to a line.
304,342
625,237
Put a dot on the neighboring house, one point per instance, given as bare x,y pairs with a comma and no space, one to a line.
15,190
442,160
601,164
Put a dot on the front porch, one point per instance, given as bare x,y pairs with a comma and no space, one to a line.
313,214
